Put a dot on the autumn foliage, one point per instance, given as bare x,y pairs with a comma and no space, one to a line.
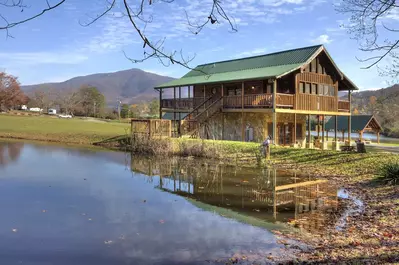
11,94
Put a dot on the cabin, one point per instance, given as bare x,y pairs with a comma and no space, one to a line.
248,99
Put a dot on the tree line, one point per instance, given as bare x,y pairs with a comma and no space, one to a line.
84,101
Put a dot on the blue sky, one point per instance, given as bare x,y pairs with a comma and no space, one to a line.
56,47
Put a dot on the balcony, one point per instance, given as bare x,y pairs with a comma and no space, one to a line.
305,102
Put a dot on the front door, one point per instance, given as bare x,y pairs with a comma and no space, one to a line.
285,133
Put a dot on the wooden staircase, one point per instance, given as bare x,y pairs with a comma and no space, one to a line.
200,116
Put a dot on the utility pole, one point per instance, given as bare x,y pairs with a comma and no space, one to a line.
119,110
94,108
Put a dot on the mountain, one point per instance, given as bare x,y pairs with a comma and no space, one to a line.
130,86
383,103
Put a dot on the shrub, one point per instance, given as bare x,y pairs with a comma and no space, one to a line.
389,173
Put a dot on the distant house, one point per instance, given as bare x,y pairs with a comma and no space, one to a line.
52,111
35,109
24,107
248,99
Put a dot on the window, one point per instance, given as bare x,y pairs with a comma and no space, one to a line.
313,66
301,87
307,88
314,89
319,67
326,88
320,89
332,91
238,91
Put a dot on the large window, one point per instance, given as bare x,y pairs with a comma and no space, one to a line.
307,88
301,87
314,89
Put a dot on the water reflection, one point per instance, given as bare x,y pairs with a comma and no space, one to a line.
266,194
64,206
10,152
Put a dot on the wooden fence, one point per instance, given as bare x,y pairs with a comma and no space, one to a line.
151,128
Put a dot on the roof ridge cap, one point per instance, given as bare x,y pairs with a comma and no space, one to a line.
261,55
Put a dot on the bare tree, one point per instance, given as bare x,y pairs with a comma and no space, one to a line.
367,23
43,98
68,100
135,12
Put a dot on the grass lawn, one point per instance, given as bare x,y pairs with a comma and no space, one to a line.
59,130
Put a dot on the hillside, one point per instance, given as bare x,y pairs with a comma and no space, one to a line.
130,86
383,103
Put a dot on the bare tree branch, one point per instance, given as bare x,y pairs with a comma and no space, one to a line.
138,19
366,24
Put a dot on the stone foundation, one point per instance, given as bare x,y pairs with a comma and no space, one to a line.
257,126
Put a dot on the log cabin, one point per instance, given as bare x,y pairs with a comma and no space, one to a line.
248,99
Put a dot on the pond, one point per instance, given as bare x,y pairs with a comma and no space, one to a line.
69,205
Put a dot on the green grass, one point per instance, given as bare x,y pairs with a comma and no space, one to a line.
59,130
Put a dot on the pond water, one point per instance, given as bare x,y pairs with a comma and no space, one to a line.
63,205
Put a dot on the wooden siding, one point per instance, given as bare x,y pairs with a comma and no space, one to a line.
316,102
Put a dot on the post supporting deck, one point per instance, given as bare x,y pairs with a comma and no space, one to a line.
160,103
378,137
274,112
242,113
336,127
309,144
294,136
179,129
174,111
349,118
323,127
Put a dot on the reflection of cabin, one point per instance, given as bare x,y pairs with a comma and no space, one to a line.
249,98
265,193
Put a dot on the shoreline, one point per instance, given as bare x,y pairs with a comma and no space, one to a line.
375,230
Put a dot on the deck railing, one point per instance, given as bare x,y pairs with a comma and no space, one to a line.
343,105
299,101
285,100
259,101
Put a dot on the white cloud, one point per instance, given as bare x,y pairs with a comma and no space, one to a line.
35,58
253,52
322,39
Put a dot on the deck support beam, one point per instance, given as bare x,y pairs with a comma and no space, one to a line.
309,144
274,112
242,113
349,118
179,129
174,111
323,128
378,137
160,103
294,129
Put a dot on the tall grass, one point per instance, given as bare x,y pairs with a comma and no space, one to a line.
389,173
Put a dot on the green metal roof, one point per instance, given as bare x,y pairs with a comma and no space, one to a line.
263,66
358,123
170,116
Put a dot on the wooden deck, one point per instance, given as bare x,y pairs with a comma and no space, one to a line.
302,102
